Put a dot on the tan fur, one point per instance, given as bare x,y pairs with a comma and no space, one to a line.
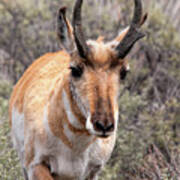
100,39
121,35
29,152
41,87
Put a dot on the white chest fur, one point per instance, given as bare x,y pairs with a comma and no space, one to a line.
75,163
18,132
70,165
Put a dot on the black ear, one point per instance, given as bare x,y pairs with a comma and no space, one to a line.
65,31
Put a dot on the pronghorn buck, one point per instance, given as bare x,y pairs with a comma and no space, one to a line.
64,109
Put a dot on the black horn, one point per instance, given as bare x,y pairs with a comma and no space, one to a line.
80,40
133,34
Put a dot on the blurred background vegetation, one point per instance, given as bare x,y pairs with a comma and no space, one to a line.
148,143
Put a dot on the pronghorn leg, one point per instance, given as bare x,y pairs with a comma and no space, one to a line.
25,174
41,172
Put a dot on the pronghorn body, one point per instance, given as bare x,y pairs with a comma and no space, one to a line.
64,109
42,130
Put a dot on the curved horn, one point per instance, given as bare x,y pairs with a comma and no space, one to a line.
133,35
78,33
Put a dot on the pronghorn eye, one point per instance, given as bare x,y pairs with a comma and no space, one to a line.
123,73
76,71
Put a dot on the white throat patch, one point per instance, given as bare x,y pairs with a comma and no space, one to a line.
71,117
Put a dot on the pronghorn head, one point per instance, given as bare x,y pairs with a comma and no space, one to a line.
96,68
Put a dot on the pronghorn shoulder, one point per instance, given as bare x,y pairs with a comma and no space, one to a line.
38,78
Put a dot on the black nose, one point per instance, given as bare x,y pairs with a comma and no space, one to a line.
100,126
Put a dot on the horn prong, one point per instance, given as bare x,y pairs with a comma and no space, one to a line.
133,34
